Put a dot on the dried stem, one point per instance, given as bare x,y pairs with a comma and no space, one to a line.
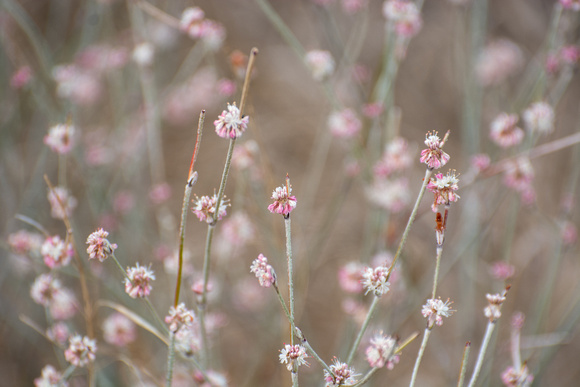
464,364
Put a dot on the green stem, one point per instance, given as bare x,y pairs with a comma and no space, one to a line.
362,330
436,275
170,361
484,344
287,226
464,364
420,356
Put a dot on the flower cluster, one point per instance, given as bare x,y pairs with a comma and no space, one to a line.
138,281
381,351
434,156
60,138
344,123
194,23
50,377
293,356
391,194
23,242
574,5
205,207
62,203
405,15
519,175
539,118
118,330
350,277
99,245
396,157
284,201
443,187
56,252
229,124
188,339
434,311
81,351
179,316
517,378
341,374
504,130
320,63
263,271
493,310
499,60
375,280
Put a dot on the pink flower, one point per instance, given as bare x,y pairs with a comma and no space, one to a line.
341,374
44,288
123,202
517,378
493,310
350,277
21,78
213,34
373,110
519,175
190,22
50,377
353,6
99,245
236,232
138,281
64,305
390,194
320,63
23,242
499,60
381,351
293,356
179,316
284,201
60,138
539,118
229,124
263,271
56,252
434,156
226,87
81,351
405,15
434,311
480,162
502,270
396,157
504,130
569,233
443,187
160,193
570,54
573,5
188,339
58,333
118,330
375,280
62,203
205,207
77,85
344,123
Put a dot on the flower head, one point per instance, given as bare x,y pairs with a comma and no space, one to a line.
60,138
229,124
23,242
443,188
405,15
293,355
434,156
62,203
493,310
375,280
396,157
502,270
519,175
539,117
44,289
350,277
434,311
138,281
263,271
118,330
381,351
81,351
574,5
504,130
56,252
50,377
344,123
512,377
499,60
99,245
179,316
390,194
320,63
205,207
341,374
284,202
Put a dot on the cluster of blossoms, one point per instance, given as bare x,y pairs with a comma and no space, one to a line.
21,78
56,252
519,175
499,60
205,207
138,281
320,63
443,187
539,118
341,374
50,377
188,339
350,277
230,123
344,123
62,203
502,270
434,311
396,157
517,378
381,351
504,130
567,56
194,23
118,330
375,280
263,271
179,316
58,333
390,194
23,242
236,231
60,138
99,245
493,310
434,156
405,15
284,201
81,351
293,356
49,292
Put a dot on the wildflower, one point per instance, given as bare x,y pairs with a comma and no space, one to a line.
504,130
375,280
320,63
284,202
434,156
350,277
293,355
60,138
213,34
58,333
381,351
519,175
396,157
190,21
81,351
205,207
77,85
573,5
214,379
137,283
226,87
263,271
390,194
443,187
160,193
245,155
118,330
570,54
405,15
493,310
44,289
353,6
344,123
99,245
143,54
502,270
50,377
21,78
480,162
499,60
188,340
238,229
434,311
539,117
179,316
229,124
517,378
341,374
62,203
63,305
23,242
373,110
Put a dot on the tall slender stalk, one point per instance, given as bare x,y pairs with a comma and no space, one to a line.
464,359
288,229
480,357
420,356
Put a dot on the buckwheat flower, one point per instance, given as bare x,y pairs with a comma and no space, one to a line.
519,174
434,156
190,21
493,310
118,330
238,230
58,333
353,6
62,203
480,162
396,157
539,118
375,280
443,187
499,60
341,374
569,233
405,15
504,130
21,78
50,377
188,340
205,207
77,85
344,123
179,316
138,283
214,379
24,242
263,271
99,245
60,138
63,305
570,54
434,311
573,5
293,355
44,288
284,201
390,194
81,351
502,270
373,110
160,193
143,54
213,34
56,252
320,63
226,87
381,351
350,277
517,378
245,155
229,124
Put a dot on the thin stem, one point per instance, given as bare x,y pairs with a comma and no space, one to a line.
436,274
287,226
420,356
363,328
203,302
484,344
464,364
170,361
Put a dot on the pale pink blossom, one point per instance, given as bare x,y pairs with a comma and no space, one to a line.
284,201
190,21
77,85
248,296
320,63
205,207
569,233
342,374
64,305
404,15
499,60
355,309
160,193
56,252
61,138
58,333
573,5
396,157
99,245
353,6
434,311
97,149
226,87
443,188
373,110
213,34
493,310
434,156
293,356
179,316
381,351
138,281
21,78
81,351
539,118
50,377
570,54
502,270
199,287
263,271
552,64
188,339
44,289
236,231
102,59
230,124
118,330
245,155
504,130
517,378
344,123
375,280
62,203
519,175
216,379
390,194
480,162
24,242
350,277
123,202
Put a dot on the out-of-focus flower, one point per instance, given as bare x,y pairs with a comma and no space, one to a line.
574,5
58,333
50,377
216,379
190,21
293,356
236,232
350,277
434,156
118,330
138,281
229,124
263,271
341,374
519,175
504,130
569,233
502,270
381,351
143,54
160,193
373,110
226,87
44,288
480,162
284,201
99,245
77,85
179,316
539,118
570,55
21,78
102,59
320,63
56,252
375,280
62,203
188,339
344,123
64,305
517,378
353,6
405,16
205,207
499,59
60,138
81,351
390,194
443,187
493,310
213,34
24,242
434,311
245,155
123,202
396,157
